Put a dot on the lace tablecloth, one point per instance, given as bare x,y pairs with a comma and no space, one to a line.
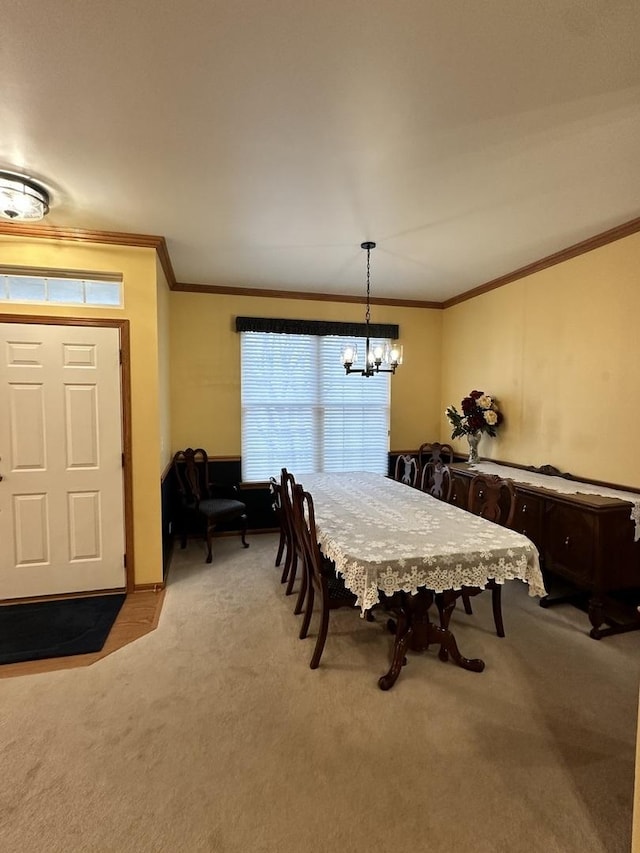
386,536
564,486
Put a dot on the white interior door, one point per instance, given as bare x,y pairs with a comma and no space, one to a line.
61,493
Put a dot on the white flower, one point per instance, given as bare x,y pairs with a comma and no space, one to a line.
484,402
490,417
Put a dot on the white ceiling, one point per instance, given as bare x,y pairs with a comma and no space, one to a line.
266,139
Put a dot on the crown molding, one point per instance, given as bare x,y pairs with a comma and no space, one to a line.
159,243
84,235
299,294
595,242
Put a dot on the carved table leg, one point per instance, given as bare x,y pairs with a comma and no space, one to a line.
418,606
414,630
403,632
448,646
446,602
439,635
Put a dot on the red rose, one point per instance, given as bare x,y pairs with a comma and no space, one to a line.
476,394
468,405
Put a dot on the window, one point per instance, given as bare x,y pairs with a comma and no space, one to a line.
301,411
59,288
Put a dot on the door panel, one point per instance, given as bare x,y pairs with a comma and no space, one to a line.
84,526
26,404
31,526
61,496
82,427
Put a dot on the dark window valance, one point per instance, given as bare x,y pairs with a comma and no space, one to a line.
316,327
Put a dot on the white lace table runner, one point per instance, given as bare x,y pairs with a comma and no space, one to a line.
566,487
386,536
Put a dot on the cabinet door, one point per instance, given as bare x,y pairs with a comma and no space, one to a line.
460,490
528,518
570,541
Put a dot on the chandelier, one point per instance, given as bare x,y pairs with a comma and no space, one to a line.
377,359
21,199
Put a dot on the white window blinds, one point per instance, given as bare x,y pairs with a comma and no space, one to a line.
301,411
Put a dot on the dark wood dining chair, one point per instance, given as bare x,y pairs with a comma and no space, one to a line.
433,451
321,575
212,505
493,498
406,469
436,480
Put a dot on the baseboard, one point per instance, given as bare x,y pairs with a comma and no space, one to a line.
149,587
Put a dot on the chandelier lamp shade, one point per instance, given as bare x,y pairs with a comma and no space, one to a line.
22,199
378,358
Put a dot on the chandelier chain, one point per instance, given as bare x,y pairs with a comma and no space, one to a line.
368,313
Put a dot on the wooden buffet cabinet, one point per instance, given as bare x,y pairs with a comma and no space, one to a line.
587,540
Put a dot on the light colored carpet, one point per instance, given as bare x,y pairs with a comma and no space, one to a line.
212,733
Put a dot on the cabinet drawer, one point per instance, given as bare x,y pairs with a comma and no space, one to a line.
570,540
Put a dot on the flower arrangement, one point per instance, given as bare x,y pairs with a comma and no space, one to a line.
479,414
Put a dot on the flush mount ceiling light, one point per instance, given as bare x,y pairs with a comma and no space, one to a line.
21,199
377,358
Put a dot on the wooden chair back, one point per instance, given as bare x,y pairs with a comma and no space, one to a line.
433,451
304,520
276,508
287,485
406,470
191,470
436,480
295,548
493,498
275,498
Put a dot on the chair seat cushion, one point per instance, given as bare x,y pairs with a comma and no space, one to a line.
338,591
221,508
335,583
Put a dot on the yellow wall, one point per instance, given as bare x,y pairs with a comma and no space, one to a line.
560,351
138,267
205,365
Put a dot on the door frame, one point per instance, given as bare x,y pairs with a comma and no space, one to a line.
125,409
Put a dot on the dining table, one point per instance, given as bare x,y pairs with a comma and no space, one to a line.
396,545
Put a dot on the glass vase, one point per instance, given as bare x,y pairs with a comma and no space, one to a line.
474,439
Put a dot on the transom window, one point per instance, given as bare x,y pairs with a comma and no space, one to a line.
38,286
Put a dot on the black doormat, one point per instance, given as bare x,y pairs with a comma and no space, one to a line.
53,629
